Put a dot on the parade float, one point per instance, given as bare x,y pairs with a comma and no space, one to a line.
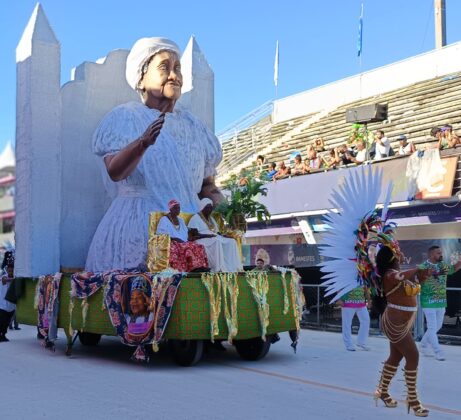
246,309
61,199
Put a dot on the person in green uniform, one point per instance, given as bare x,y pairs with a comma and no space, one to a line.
434,298
355,303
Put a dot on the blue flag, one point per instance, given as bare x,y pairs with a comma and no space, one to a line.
359,40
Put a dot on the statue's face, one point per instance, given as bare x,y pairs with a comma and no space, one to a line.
138,304
163,79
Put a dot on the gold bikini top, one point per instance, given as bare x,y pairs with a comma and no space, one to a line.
410,288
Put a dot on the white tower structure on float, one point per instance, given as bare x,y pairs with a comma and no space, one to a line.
198,83
60,196
38,169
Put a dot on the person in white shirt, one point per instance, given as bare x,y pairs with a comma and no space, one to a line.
361,154
406,147
382,145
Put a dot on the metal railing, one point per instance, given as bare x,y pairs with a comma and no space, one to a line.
319,313
246,121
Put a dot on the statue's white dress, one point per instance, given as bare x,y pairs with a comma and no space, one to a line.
184,154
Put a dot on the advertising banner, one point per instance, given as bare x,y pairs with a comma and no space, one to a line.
300,194
304,255
443,186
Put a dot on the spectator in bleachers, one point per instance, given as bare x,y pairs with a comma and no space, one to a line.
298,166
307,167
309,148
406,147
283,171
360,154
319,145
452,140
383,145
260,161
272,171
332,160
345,154
315,161
436,133
260,168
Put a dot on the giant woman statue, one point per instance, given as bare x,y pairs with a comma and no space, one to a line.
152,152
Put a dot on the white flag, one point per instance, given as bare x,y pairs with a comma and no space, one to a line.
276,65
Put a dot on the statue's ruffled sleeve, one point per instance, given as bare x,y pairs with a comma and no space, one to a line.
213,152
116,130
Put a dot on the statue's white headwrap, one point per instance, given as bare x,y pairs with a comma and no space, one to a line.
141,52
204,202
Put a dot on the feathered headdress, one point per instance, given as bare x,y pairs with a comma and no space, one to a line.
353,229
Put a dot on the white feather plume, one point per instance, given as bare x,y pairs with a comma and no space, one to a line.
354,199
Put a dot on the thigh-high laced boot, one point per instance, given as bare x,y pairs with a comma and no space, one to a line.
382,392
412,396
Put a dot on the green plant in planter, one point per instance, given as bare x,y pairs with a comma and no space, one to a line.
359,132
242,201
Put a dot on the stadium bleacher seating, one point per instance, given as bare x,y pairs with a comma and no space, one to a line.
412,110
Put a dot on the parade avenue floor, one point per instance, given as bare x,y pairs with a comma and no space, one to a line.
321,381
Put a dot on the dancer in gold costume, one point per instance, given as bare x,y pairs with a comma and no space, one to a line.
400,289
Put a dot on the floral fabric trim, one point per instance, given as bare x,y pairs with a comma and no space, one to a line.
86,283
139,303
47,303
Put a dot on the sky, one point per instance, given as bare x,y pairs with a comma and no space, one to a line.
317,41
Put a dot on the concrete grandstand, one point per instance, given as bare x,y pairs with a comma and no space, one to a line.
429,98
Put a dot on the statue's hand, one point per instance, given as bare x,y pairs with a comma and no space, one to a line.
149,136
